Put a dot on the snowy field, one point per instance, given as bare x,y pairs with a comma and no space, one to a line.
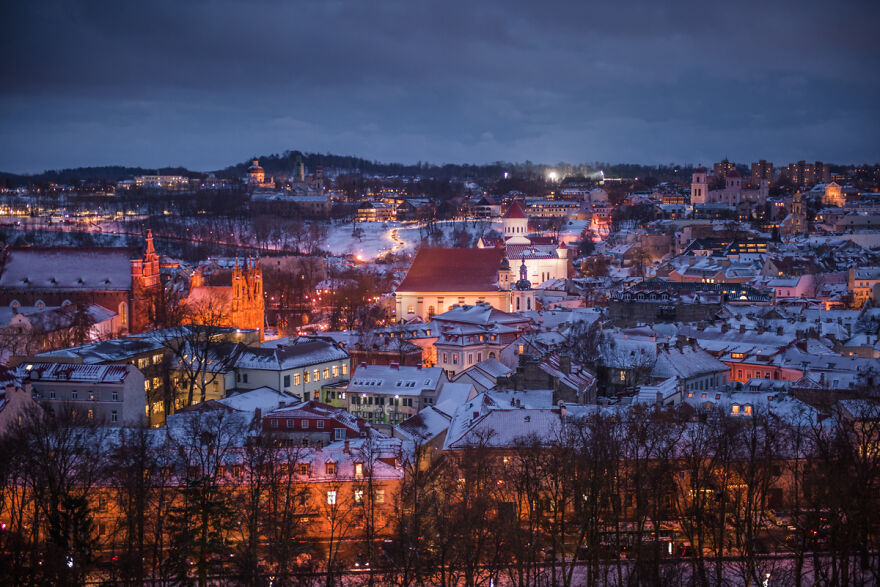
378,238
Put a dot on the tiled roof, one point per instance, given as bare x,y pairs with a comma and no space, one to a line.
453,270
515,211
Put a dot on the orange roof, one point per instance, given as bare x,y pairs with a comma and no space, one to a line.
515,211
453,270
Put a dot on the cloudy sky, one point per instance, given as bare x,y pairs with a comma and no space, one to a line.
207,83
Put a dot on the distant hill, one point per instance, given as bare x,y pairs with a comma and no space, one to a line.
110,173
287,164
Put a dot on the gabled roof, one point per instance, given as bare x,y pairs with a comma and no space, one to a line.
515,211
453,270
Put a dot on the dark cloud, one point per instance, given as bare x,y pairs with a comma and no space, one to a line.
204,83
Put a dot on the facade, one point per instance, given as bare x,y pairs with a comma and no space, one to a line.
441,278
313,424
389,394
470,334
733,193
833,195
301,367
112,395
761,171
861,283
241,304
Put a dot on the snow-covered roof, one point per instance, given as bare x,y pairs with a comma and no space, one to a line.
58,268
303,352
395,379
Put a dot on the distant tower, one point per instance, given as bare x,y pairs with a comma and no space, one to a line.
319,176
256,174
733,187
798,214
300,168
699,186
145,284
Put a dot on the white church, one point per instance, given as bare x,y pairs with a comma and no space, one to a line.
544,257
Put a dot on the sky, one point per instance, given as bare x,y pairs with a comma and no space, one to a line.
209,83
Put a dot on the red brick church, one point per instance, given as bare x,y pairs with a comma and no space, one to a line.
123,280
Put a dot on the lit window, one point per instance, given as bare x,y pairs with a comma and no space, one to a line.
747,410
358,470
316,374
380,496
326,372
344,369
296,378
335,370
331,498
735,409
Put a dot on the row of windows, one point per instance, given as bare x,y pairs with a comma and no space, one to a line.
90,414
378,496
91,396
306,376
369,400
144,362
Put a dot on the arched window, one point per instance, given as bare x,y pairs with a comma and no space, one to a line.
123,313
66,303
15,305
517,303
528,303
40,304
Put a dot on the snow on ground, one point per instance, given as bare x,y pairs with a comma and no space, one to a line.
375,239
378,238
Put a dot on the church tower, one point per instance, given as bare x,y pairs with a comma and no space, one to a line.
145,284
248,305
700,186
522,296
514,223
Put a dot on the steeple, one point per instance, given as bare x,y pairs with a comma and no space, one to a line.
150,249
523,270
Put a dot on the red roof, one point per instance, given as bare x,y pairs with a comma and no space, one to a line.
700,169
453,270
515,211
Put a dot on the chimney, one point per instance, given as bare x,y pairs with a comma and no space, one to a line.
562,409
742,328
395,366
476,415
565,363
364,364
518,403
346,447
258,414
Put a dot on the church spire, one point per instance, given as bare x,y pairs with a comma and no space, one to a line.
150,249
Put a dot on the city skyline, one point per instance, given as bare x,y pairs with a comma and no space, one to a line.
206,85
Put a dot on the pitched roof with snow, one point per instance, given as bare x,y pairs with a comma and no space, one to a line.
395,380
77,373
57,268
303,353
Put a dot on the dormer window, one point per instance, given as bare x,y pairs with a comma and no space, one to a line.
331,468
358,470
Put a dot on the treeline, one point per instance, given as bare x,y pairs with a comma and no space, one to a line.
647,498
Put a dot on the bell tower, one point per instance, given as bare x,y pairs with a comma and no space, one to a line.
145,284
